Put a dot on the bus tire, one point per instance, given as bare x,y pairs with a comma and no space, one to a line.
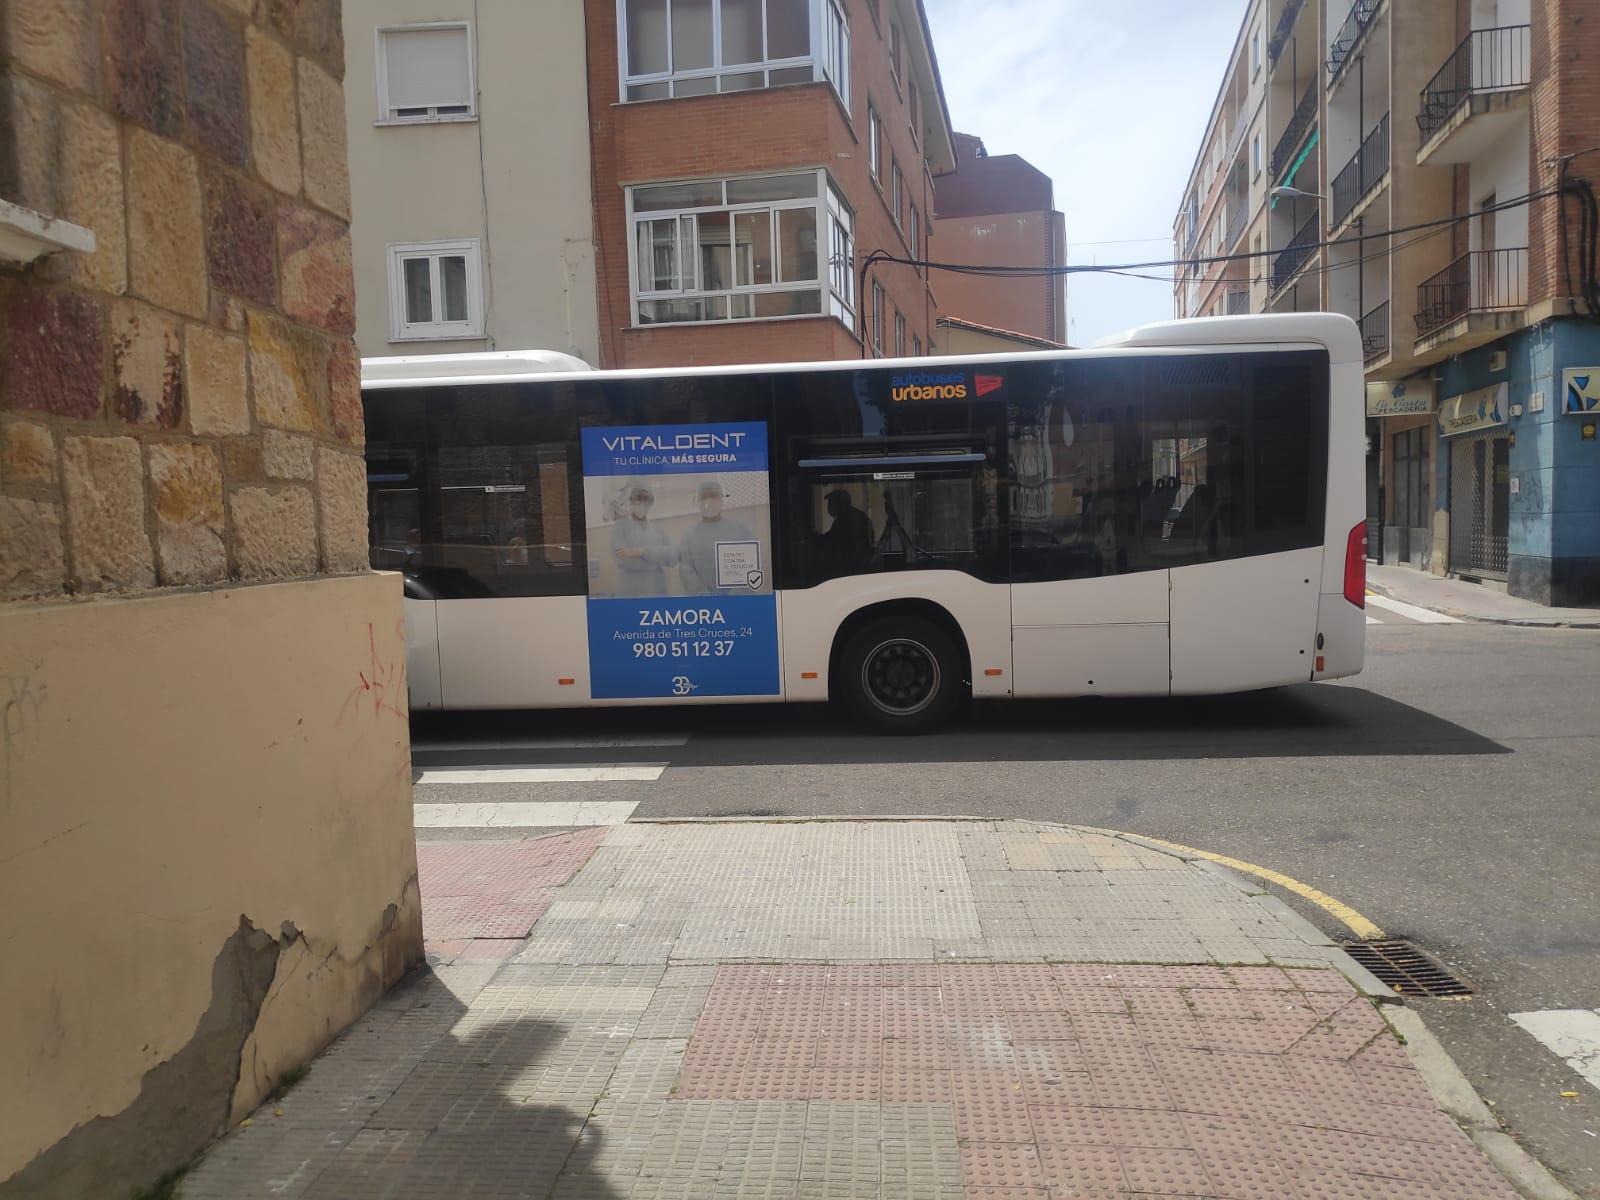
900,675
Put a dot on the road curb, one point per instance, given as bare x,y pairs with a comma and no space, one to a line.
1519,622
1457,1097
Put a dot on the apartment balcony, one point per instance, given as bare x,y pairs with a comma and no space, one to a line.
1294,136
1283,30
1363,174
1374,327
1342,50
1480,92
1300,248
1238,218
1238,301
1477,298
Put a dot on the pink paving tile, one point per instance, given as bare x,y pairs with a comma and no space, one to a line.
1001,1164
982,1118
1074,1087
1308,979
1040,1026
1082,1170
838,1084
1258,979
915,1087
1165,1172
496,889
1222,1002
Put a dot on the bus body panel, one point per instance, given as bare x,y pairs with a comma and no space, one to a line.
422,653
1347,453
1104,637
1245,623
811,618
1343,629
513,652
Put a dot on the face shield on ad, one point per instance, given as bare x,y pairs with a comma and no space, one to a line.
709,501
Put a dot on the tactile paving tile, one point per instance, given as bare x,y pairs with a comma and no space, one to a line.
495,888
1001,1164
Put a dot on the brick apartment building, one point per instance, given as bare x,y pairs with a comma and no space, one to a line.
645,183
999,210
1423,169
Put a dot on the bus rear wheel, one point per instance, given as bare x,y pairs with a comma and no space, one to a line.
900,675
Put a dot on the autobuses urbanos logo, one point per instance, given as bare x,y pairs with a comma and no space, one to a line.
940,385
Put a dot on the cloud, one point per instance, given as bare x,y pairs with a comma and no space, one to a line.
1111,102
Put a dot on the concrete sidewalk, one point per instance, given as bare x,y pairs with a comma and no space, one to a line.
1472,601
832,1009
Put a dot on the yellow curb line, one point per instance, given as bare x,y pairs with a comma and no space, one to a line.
1358,925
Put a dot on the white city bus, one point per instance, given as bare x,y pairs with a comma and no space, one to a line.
1176,512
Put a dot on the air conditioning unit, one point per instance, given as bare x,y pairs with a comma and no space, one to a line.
1497,360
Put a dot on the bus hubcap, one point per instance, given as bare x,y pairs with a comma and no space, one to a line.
901,677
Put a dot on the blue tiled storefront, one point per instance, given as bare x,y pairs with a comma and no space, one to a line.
1518,473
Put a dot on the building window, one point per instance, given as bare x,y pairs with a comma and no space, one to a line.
425,73
877,319
916,235
841,260
916,346
701,47
435,291
899,334
739,249
897,193
1255,51
875,144
894,53
1255,154
877,14
914,105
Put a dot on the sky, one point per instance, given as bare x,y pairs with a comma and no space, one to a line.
1110,101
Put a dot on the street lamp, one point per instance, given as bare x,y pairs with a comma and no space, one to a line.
1290,193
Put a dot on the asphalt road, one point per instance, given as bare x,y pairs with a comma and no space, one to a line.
1451,794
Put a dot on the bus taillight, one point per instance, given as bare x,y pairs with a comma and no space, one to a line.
1355,566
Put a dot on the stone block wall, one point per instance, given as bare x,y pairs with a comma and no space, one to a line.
181,406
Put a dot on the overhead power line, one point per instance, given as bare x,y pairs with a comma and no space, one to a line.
992,269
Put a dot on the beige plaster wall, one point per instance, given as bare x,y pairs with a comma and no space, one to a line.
177,772
517,178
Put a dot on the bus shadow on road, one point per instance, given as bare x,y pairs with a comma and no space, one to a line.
1302,721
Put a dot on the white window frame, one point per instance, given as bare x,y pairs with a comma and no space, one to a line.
875,143
916,235
896,50
1255,51
432,117
899,334
841,259
1255,154
401,330
835,276
897,193
828,57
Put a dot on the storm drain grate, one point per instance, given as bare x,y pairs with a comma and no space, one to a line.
1405,969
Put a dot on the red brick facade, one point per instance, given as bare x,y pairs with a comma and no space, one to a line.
786,128
1565,104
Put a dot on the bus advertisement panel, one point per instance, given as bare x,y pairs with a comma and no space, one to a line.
680,548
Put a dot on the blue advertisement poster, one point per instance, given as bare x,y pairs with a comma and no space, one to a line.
680,551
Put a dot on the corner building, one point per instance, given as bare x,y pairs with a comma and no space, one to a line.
1424,169
747,155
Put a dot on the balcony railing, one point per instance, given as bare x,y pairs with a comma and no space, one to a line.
1238,301
1305,116
1489,60
1238,214
1293,256
1285,26
1364,172
1480,281
1375,333
1348,38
